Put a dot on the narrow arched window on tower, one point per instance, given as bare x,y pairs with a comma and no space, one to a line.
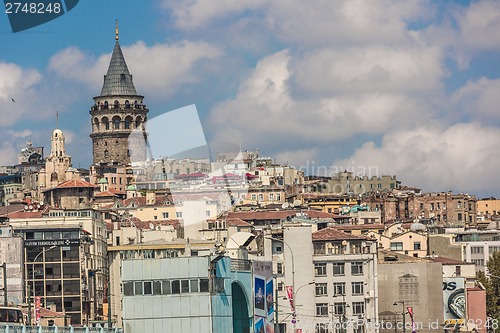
127,104
116,122
128,120
116,105
105,104
105,122
106,153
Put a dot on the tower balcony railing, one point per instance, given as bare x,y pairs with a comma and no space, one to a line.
129,106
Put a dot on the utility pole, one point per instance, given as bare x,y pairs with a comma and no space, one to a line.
276,321
4,268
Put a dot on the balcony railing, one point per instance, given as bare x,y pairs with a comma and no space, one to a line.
4,328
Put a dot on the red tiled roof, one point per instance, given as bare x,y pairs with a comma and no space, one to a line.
449,261
105,194
5,210
237,222
46,313
75,183
334,234
280,215
360,226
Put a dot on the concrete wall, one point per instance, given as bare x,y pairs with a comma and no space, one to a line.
419,284
11,252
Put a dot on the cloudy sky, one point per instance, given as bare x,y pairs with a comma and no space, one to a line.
406,88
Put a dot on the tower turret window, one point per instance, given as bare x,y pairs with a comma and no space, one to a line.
138,121
105,105
127,104
106,153
116,105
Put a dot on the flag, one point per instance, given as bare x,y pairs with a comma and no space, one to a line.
410,312
289,292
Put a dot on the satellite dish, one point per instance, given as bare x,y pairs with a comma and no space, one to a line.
297,203
30,207
41,203
285,205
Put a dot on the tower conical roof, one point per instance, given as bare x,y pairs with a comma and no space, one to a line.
118,80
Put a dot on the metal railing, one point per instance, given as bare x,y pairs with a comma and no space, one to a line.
5,328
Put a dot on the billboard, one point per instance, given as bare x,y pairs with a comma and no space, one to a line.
454,300
263,295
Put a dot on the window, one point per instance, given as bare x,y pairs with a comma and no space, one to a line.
261,197
322,328
254,197
459,216
357,288
128,288
458,270
477,249
281,286
278,196
321,289
176,287
356,267
156,287
204,285
271,196
279,268
165,215
339,288
138,288
148,288
178,214
321,309
396,246
358,308
207,213
185,286
338,268
339,308
166,288
320,269
416,246
194,286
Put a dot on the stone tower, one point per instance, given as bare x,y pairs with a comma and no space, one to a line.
116,112
56,164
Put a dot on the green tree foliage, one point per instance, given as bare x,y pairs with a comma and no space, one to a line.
492,284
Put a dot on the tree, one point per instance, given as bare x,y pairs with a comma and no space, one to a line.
492,284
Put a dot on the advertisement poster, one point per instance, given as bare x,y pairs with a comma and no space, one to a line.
454,300
263,296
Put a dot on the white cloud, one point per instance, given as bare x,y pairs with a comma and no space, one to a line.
479,25
190,15
377,69
159,69
18,84
480,99
460,158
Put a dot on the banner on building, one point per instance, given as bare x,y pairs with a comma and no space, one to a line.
454,300
289,293
263,290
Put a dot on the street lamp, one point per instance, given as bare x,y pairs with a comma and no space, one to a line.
404,313
294,314
33,281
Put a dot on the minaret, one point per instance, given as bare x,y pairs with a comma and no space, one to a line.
116,112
